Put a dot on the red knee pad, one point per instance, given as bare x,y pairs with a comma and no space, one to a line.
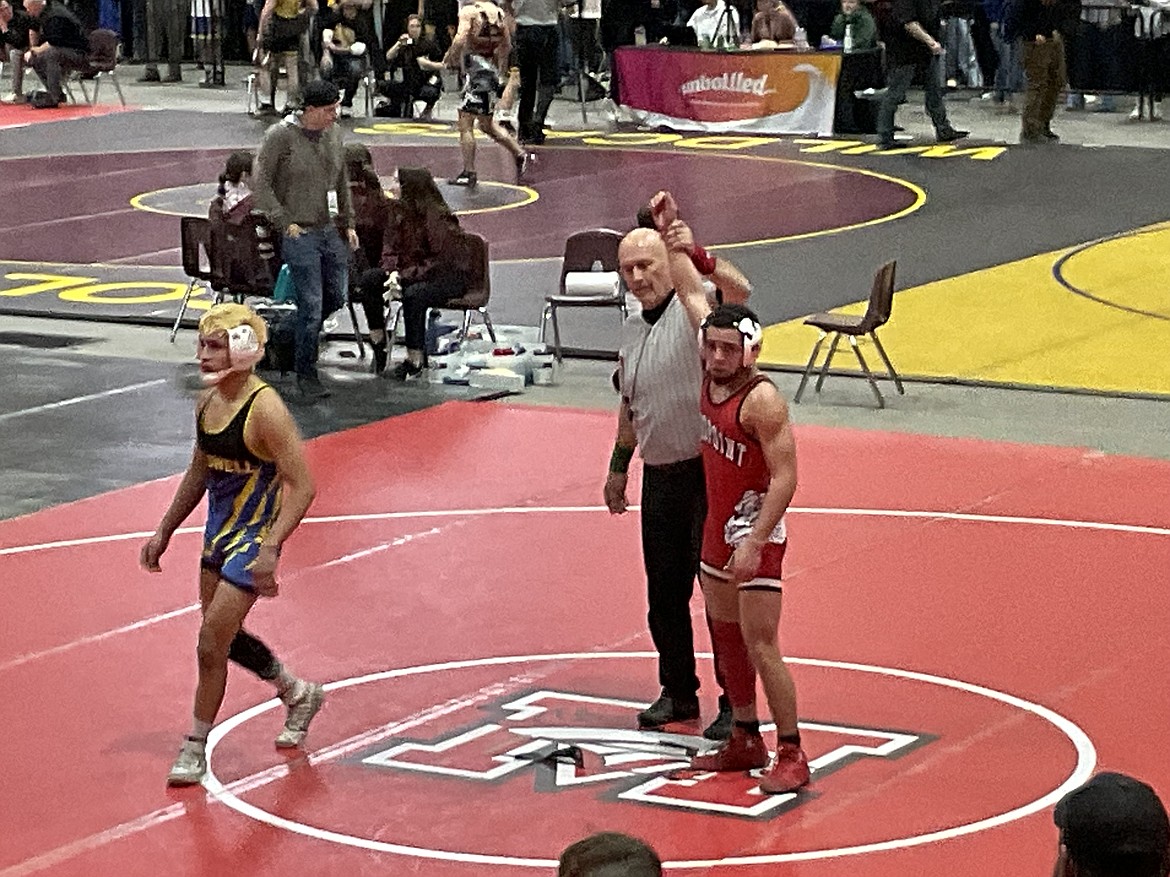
734,663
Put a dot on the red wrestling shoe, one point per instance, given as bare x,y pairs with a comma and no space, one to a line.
742,751
788,771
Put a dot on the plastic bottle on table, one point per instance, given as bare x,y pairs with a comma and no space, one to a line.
848,45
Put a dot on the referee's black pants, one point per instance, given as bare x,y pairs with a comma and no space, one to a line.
674,504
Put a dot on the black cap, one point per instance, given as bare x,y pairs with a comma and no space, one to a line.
1113,815
320,93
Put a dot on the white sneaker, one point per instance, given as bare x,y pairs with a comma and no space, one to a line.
300,713
190,766
14,98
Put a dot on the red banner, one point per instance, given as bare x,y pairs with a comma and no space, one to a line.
769,91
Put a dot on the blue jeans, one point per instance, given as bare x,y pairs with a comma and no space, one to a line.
1009,75
318,261
898,79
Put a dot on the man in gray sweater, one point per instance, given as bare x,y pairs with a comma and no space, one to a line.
301,184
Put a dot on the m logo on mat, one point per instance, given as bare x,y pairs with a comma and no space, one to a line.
568,742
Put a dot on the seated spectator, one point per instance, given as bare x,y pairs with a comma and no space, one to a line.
284,26
715,23
773,21
854,19
372,211
14,27
346,40
1112,826
241,238
609,854
426,247
58,46
415,63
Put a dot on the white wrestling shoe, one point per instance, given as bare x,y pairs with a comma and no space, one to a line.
190,766
300,713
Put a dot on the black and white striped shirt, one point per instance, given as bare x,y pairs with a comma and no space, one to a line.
660,373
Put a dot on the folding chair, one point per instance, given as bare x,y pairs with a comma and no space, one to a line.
877,314
105,52
195,246
586,252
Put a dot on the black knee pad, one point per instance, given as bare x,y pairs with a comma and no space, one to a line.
251,654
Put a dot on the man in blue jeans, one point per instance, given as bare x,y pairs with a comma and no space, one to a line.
301,183
914,47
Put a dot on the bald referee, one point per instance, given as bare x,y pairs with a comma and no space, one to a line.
659,375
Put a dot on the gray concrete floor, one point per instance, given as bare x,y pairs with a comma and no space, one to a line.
1112,425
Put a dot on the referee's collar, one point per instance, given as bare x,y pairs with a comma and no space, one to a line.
651,315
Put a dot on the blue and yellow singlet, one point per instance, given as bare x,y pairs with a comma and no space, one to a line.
243,497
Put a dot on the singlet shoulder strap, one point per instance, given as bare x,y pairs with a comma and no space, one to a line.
745,391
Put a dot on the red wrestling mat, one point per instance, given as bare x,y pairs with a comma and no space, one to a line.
972,626
19,115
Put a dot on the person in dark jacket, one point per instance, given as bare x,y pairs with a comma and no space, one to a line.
913,48
58,46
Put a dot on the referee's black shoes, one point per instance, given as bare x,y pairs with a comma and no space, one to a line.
668,709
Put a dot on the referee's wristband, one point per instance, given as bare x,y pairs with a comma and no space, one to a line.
703,261
619,460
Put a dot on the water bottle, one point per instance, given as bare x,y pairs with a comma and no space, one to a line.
800,39
848,47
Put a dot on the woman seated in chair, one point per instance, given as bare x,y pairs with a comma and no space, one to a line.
426,247
243,243
372,211
345,52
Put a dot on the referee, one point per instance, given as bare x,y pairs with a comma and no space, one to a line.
659,375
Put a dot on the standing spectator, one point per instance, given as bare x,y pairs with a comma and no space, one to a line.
619,21
301,169
165,32
583,20
346,43
913,49
536,53
134,30
1112,826
14,27
421,61
1039,28
1155,54
1096,54
1009,75
57,45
